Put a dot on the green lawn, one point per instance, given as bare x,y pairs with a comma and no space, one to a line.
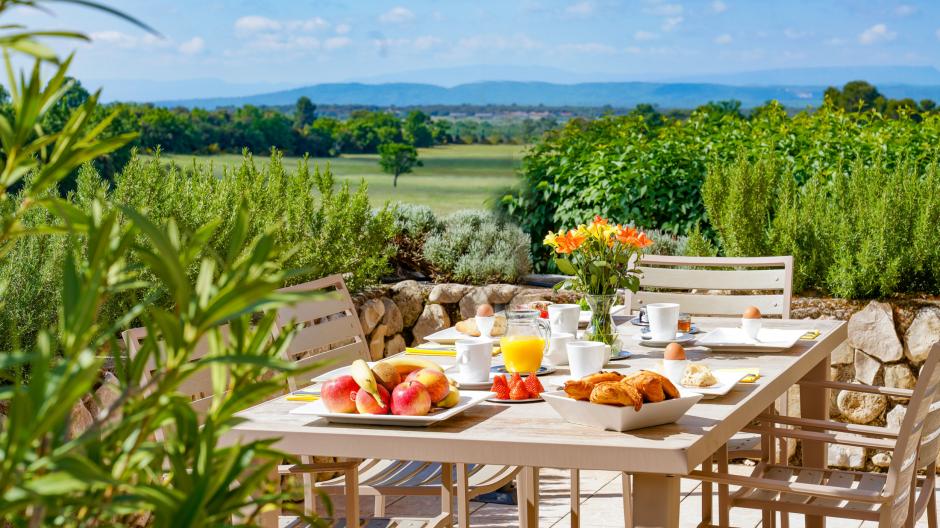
453,177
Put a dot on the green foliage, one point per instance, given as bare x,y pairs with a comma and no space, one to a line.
476,247
697,245
397,159
413,225
869,230
666,243
416,129
624,168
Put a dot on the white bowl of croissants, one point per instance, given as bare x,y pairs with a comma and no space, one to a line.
621,402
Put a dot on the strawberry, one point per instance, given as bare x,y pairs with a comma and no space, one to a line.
533,385
515,380
500,387
519,392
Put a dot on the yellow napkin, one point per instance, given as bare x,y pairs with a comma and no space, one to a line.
437,352
811,335
752,374
302,397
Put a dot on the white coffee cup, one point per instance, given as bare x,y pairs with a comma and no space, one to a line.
664,320
586,357
485,325
473,360
751,327
557,354
564,317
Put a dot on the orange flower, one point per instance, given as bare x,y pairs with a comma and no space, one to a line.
626,235
643,241
599,221
569,241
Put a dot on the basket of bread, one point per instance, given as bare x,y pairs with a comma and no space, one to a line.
621,402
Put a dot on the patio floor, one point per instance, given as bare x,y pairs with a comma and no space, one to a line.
601,505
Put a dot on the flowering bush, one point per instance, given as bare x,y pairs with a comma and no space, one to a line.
601,256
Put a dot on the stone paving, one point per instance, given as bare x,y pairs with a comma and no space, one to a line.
601,505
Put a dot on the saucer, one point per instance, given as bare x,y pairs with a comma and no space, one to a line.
543,370
475,385
680,338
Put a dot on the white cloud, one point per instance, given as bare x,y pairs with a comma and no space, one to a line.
310,24
343,29
426,42
791,33
876,33
268,42
645,35
397,15
904,10
247,25
595,48
664,10
584,8
192,46
671,23
724,38
333,43
125,41
719,7
835,41
937,33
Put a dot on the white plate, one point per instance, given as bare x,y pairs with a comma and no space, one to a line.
468,399
475,385
657,343
726,381
621,418
734,340
527,400
449,336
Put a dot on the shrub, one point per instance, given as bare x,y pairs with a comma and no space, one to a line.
868,230
413,225
477,247
666,243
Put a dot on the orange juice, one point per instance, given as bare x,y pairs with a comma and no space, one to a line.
522,353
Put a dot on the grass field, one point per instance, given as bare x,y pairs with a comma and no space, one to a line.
453,177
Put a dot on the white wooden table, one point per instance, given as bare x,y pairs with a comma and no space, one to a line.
534,436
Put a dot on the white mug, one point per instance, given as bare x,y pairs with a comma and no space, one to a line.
586,357
751,327
473,360
564,317
664,320
558,348
485,325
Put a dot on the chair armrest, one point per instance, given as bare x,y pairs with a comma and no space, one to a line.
829,425
286,469
857,387
832,438
814,490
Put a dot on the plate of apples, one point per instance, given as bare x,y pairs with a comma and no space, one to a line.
396,392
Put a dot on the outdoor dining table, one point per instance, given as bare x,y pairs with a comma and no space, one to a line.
532,435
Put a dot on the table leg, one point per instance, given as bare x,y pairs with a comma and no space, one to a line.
659,496
527,489
814,403
463,496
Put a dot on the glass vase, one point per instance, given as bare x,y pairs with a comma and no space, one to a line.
602,327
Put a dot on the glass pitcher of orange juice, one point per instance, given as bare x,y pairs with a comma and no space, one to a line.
524,342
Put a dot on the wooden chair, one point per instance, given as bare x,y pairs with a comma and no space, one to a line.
200,390
892,499
330,330
717,287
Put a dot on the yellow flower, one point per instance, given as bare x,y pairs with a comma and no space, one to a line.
551,239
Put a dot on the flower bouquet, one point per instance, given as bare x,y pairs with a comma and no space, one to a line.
601,258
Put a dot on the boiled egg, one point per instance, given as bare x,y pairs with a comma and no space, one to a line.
751,312
674,352
484,310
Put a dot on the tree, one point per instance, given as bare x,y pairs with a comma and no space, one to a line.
304,113
398,158
417,130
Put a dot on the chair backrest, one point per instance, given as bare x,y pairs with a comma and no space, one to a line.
198,386
904,461
764,282
329,328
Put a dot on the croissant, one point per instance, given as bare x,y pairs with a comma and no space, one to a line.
616,393
581,389
654,387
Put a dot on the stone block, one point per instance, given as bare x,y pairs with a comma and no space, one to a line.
872,330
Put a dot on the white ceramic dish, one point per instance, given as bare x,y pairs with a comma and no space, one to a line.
621,419
450,336
734,340
528,400
647,340
468,399
474,385
726,381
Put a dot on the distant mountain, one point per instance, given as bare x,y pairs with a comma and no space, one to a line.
619,94
837,75
137,90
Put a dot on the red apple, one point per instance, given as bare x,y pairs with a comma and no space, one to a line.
410,398
434,381
339,394
366,404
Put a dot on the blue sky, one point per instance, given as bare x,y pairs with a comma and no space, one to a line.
306,41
